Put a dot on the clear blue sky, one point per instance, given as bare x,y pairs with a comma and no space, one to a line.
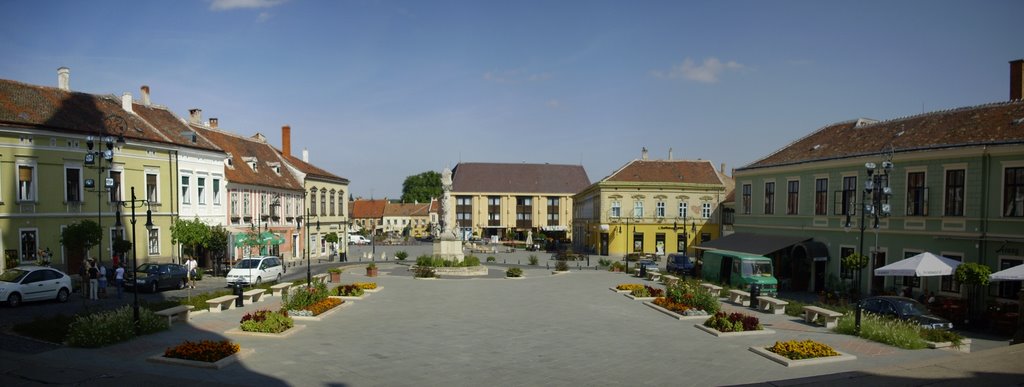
379,90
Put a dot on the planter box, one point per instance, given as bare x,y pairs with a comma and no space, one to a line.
371,272
675,315
803,362
323,315
560,272
965,345
335,277
517,278
718,333
374,290
632,297
202,364
286,333
620,291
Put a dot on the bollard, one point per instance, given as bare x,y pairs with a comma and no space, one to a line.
755,291
238,294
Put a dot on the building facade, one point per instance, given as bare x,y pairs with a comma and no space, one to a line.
650,206
368,215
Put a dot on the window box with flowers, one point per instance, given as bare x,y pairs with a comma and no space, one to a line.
203,354
795,353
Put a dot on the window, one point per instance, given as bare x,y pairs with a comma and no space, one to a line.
524,211
1013,192
954,205
616,209
246,209
746,199
216,191
463,211
312,202
26,183
821,197
341,203
1008,289
793,197
332,203
917,195
154,242
323,201
201,189
638,208
705,210
152,191
72,184
845,272
849,196
769,198
115,187
29,244
234,207
659,209
184,190
684,210
949,283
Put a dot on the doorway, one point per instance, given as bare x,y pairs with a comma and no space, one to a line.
877,282
604,243
725,270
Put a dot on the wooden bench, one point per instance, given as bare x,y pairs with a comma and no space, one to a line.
253,296
812,313
180,311
770,304
280,289
712,288
739,297
219,303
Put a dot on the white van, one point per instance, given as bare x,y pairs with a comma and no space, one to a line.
253,271
356,239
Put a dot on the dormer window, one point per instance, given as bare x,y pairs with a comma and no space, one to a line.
230,160
276,167
253,164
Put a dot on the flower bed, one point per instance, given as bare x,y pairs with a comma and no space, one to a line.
800,353
206,350
107,327
265,321
324,305
647,291
366,285
734,322
629,287
353,290
681,296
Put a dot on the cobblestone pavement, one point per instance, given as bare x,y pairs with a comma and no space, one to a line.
542,330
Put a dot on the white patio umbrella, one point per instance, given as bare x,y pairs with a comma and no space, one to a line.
529,238
921,265
1015,273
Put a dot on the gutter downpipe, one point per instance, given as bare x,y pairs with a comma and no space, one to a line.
986,177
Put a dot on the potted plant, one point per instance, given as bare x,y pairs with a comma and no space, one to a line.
335,274
371,270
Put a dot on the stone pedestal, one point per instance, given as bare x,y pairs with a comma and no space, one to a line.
448,249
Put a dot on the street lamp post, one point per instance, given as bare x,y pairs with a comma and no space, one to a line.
874,200
309,269
95,158
133,204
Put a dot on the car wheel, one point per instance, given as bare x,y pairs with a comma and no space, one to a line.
182,284
14,300
259,280
62,295
154,288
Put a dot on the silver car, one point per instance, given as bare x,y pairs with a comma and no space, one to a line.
34,283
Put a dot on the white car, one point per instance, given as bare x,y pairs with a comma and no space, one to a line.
356,239
253,271
34,283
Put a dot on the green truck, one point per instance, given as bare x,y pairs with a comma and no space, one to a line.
739,270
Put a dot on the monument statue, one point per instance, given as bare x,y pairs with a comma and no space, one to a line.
447,245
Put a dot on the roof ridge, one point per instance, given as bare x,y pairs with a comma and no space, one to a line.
943,111
791,143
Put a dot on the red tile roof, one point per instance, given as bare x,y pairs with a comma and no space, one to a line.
312,170
406,209
368,209
239,148
991,124
525,178
667,171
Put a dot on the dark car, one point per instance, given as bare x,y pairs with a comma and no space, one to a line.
905,309
156,276
680,264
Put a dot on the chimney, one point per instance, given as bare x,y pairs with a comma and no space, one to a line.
669,154
305,155
1016,79
213,123
643,154
126,102
145,95
195,116
286,140
722,170
64,78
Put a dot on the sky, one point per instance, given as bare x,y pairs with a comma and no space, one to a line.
381,90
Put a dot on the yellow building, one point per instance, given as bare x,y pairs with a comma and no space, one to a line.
651,206
499,200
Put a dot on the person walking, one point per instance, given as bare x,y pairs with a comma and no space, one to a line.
94,279
103,280
119,280
191,265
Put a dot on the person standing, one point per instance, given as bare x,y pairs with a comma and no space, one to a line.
119,280
94,279
103,280
191,265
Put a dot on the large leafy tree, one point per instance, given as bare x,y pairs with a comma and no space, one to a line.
422,187
217,245
81,236
190,233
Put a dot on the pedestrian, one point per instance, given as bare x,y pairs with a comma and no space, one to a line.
191,265
94,280
119,280
102,280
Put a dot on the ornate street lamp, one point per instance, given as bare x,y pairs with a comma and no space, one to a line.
875,201
133,204
95,157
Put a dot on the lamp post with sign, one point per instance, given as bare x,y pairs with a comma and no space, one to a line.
95,157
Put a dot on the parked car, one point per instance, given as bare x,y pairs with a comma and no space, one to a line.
905,309
253,271
155,276
356,239
680,264
647,266
34,283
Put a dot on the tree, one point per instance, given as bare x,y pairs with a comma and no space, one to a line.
81,236
974,277
332,238
217,245
421,188
190,233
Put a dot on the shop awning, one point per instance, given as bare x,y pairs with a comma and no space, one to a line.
760,244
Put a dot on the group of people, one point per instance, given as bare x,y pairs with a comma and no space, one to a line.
99,277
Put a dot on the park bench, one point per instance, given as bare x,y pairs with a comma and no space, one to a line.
322,277
739,297
771,304
653,275
253,296
180,312
712,288
812,313
280,289
669,279
220,303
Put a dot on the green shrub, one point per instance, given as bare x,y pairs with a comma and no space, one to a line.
533,260
401,255
561,266
514,272
689,292
425,272
490,258
266,321
616,266
349,290
112,326
941,336
304,297
425,260
470,261
199,274
603,262
734,322
897,333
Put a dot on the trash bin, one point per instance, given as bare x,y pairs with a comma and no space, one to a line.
755,291
238,294
643,271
